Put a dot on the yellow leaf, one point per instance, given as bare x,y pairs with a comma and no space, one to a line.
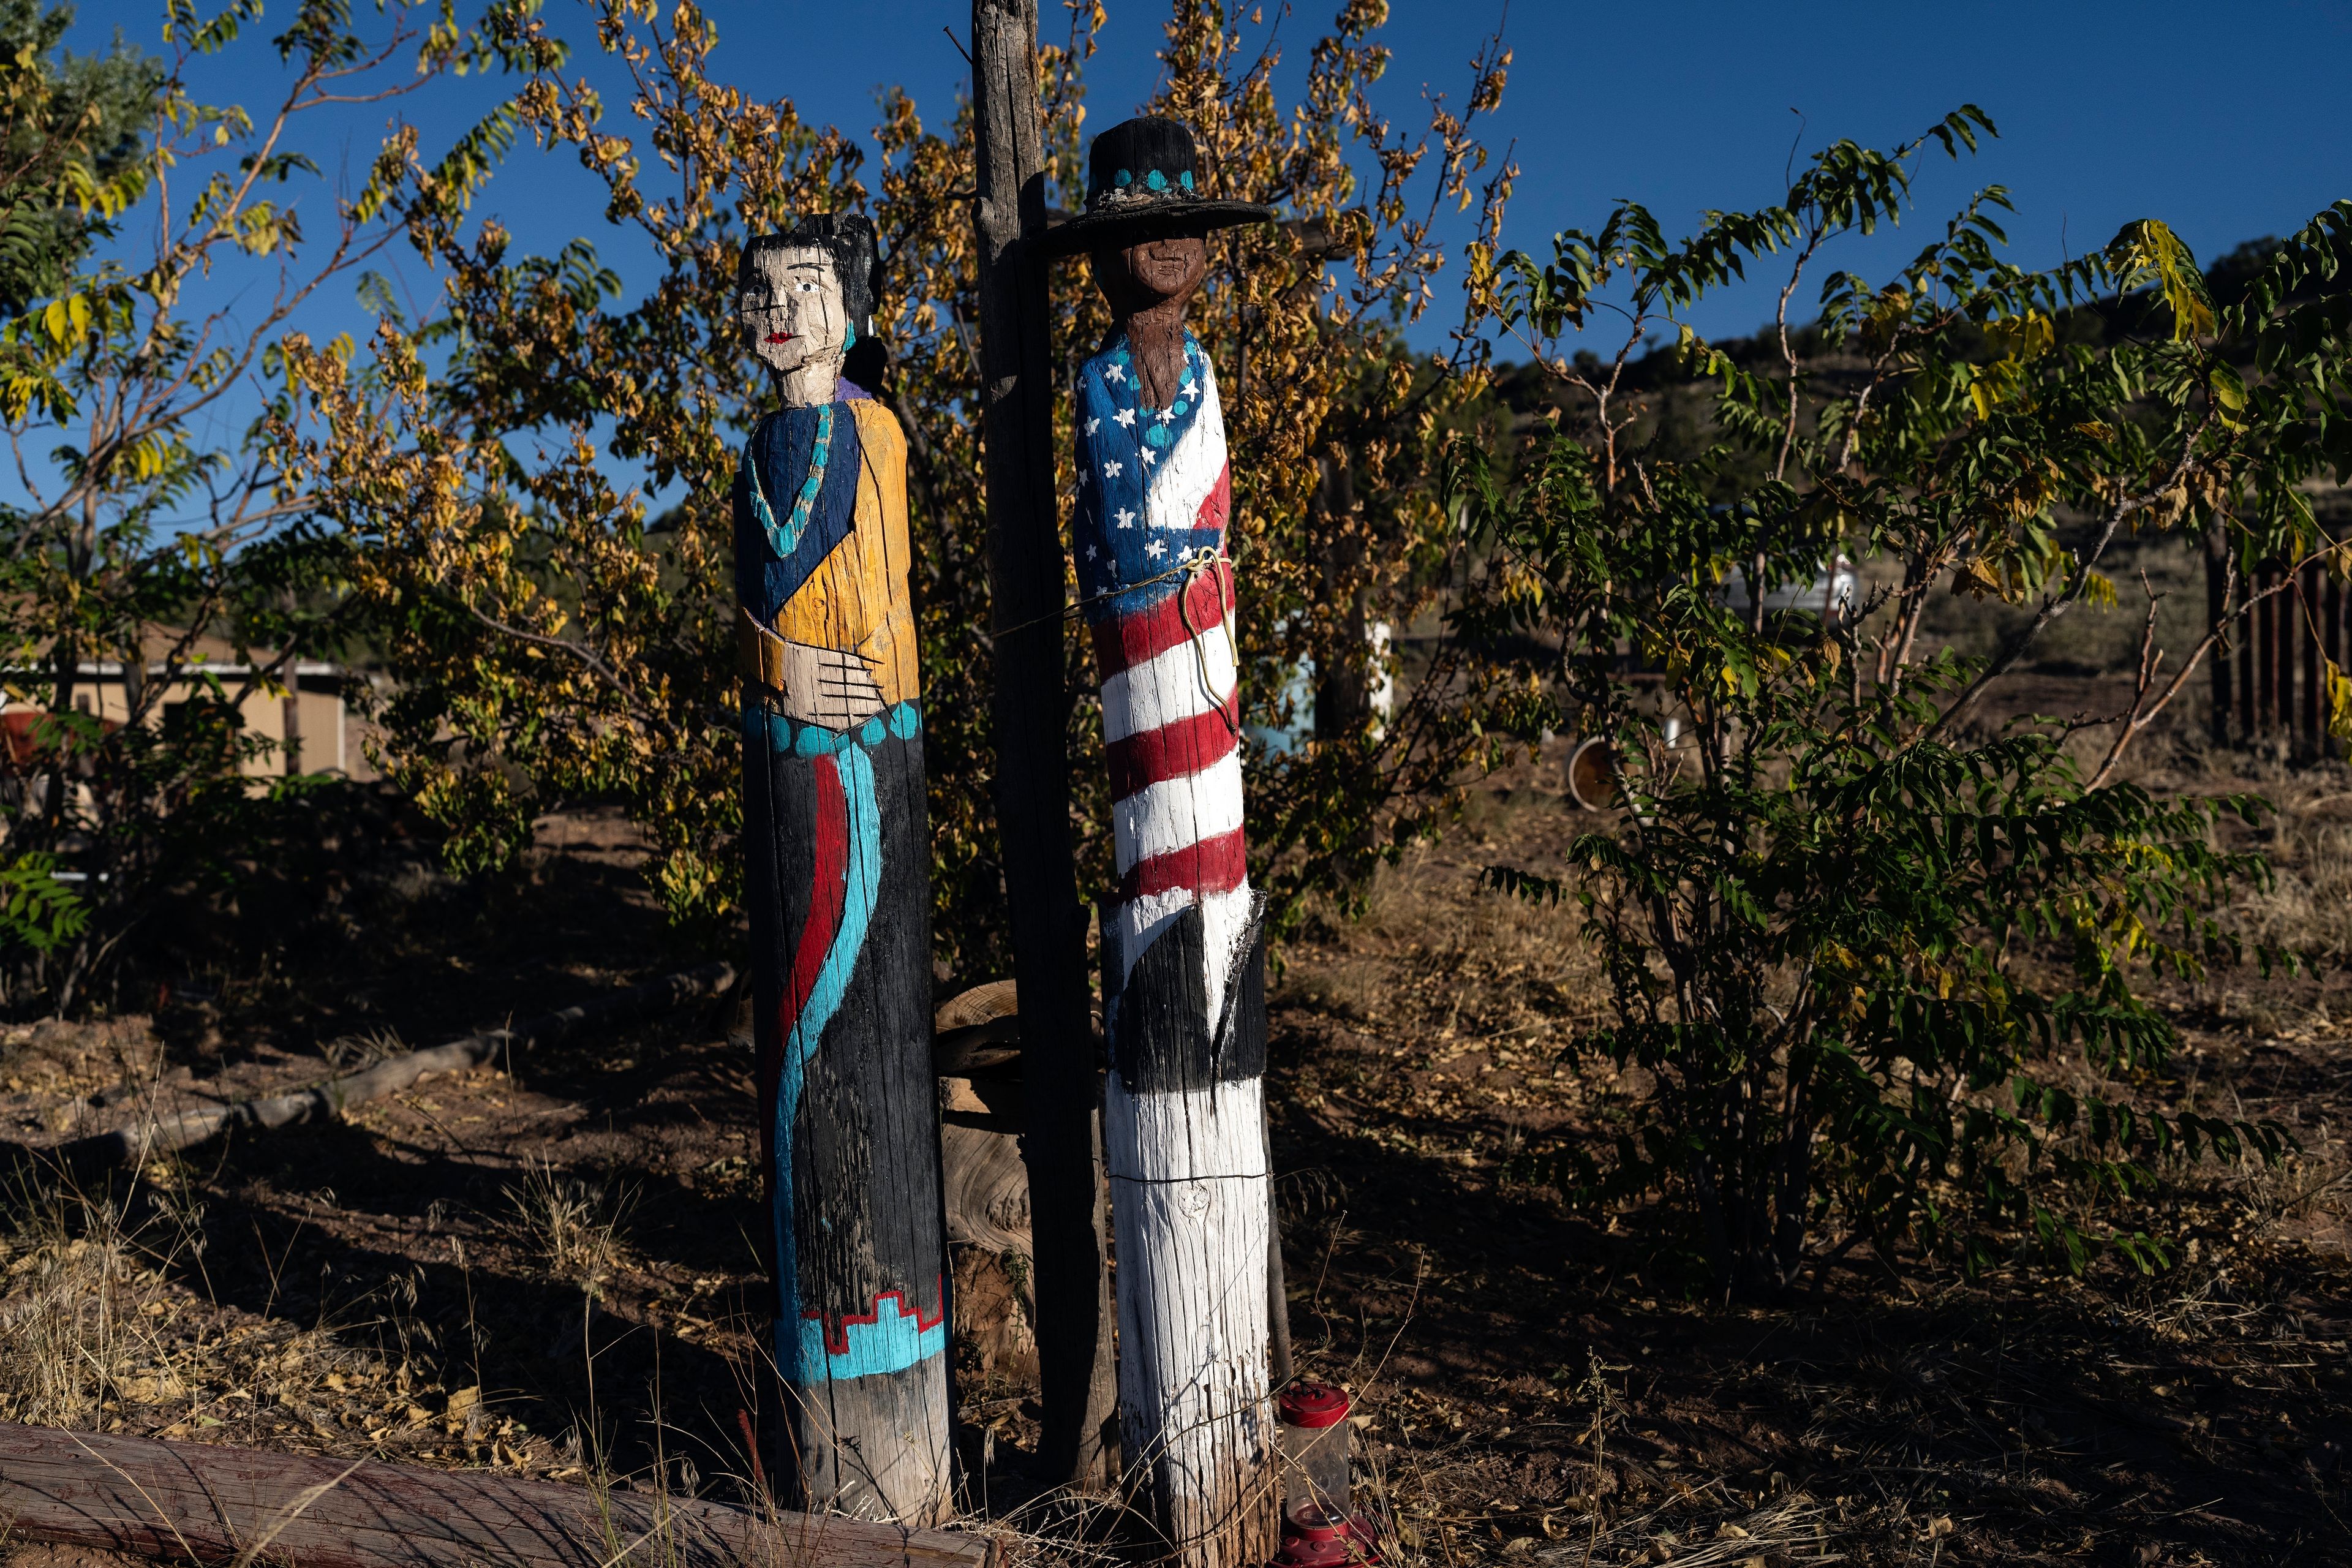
2339,702
2022,338
2150,249
2229,396
1977,579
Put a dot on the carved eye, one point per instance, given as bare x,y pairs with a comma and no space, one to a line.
805,286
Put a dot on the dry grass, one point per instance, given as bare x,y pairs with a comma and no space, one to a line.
575,1224
72,1311
349,1053
105,1324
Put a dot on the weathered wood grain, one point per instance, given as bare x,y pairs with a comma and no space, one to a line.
837,886
197,1502
1182,947
1031,707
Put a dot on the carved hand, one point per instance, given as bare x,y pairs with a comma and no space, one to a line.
828,686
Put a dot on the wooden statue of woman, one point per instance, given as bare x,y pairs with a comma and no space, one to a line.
1183,955
838,884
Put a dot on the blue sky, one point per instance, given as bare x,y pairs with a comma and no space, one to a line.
2224,122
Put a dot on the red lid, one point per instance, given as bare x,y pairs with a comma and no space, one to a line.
1301,1551
1313,1405
1314,1537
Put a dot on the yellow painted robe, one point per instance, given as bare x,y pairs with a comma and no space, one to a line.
856,601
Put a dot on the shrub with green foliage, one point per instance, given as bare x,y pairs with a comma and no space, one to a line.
154,538
1874,952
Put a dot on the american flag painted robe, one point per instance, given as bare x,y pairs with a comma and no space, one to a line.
1182,957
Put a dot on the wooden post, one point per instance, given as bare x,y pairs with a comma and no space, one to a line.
2333,620
1031,712
2217,572
1184,950
839,889
2306,636
2265,651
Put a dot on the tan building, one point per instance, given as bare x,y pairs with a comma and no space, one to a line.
305,723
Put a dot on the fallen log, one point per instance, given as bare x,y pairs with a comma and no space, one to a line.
196,1502
135,1143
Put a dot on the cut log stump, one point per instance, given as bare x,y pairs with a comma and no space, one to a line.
206,1504
976,1051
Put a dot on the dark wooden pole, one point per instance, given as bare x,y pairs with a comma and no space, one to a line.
2306,634
2334,622
2265,653
1032,713
2216,575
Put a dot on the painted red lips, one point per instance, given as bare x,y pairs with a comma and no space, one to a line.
778,338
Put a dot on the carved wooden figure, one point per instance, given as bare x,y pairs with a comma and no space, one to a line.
838,881
1182,953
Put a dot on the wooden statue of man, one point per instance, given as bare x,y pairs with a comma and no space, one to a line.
1183,955
838,884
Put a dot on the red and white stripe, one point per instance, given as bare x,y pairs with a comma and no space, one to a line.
1187,1166
1171,721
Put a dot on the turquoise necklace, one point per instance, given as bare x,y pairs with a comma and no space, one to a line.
786,540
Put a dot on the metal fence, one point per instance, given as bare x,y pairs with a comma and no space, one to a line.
2270,681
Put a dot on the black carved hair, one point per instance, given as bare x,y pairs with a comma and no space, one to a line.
847,239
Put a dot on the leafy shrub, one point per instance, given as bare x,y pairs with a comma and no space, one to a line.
1875,953
155,546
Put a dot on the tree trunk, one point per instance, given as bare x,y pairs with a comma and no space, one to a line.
2306,634
2333,623
2265,651
1343,693
289,715
1031,712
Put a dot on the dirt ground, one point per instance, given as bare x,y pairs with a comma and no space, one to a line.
549,1267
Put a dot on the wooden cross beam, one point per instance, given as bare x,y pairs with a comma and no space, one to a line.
202,1503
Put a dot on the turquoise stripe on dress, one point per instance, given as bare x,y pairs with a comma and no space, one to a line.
863,875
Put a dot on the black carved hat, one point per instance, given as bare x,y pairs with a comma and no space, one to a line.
1143,179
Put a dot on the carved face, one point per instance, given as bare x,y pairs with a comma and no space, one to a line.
794,311
1137,277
